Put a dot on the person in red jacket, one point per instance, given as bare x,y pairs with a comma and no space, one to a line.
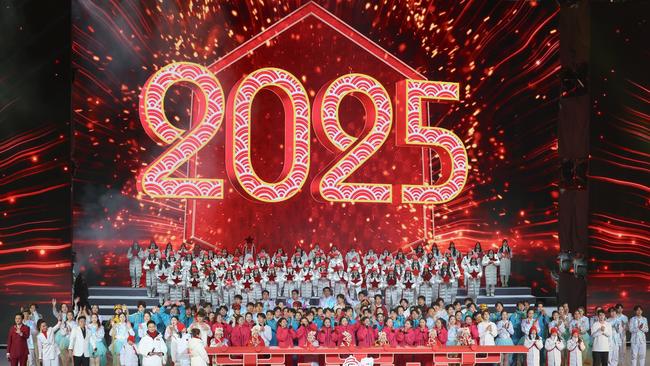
284,334
422,333
346,328
219,323
441,331
241,333
327,336
17,351
407,336
303,330
391,333
366,334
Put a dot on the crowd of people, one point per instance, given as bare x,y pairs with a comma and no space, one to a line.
216,277
178,333
254,299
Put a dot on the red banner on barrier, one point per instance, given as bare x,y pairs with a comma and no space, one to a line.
384,356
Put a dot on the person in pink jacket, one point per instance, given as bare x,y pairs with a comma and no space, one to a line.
407,336
303,330
240,333
366,334
327,336
346,327
441,332
391,333
284,334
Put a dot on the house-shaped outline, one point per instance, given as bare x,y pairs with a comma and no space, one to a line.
284,24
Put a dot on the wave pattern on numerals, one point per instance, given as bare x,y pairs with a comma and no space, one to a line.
416,91
375,99
155,181
291,91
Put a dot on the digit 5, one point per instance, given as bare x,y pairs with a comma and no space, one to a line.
411,131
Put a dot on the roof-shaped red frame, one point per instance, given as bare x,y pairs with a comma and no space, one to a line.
305,11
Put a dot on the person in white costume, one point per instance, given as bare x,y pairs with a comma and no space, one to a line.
505,257
624,329
490,268
48,350
615,341
152,347
638,328
601,335
487,330
135,255
196,347
534,344
554,346
129,353
575,346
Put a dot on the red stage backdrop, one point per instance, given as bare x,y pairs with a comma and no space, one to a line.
495,64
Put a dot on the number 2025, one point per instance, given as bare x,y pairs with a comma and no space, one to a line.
330,185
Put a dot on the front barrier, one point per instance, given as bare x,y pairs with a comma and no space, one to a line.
351,356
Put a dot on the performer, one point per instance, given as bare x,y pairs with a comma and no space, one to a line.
306,280
474,272
638,328
505,331
230,287
601,333
554,346
428,285
490,263
196,347
445,278
455,276
355,281
409,285
48,350
289,281
79,347
211,287
194,287
575,347
150,273
173,334
487,330
534,344
128,353
505,256
152,347
246,286
162,275
256,275
324,275
249,248
135,255
97,347
464,265
176,284
271,283
121,330
455,253
340,279
615,339
624,329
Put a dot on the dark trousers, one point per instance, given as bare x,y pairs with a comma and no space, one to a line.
19,360
600,358
81,361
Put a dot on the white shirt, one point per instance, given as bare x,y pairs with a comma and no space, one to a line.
199,357
128,355
600,338
79,343
487,336
148,344
638,335
47,348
